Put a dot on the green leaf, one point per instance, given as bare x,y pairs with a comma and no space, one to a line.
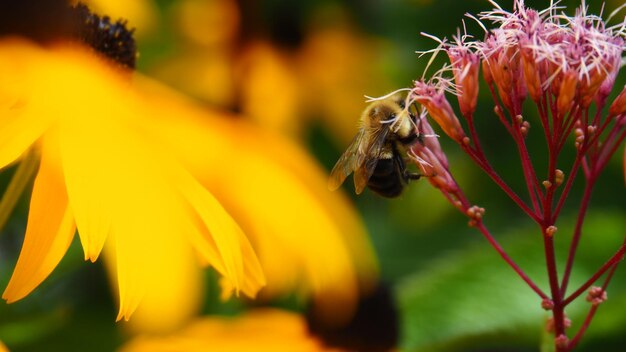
471,298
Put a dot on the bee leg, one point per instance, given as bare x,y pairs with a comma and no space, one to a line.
406,174
410,176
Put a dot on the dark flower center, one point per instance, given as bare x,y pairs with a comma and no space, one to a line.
111,39
51,20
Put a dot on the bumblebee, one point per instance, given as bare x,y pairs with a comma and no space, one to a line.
375,155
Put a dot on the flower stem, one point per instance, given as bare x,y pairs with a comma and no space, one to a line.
592,311
584,204
568,185
616,258
486,167
492,241
557,310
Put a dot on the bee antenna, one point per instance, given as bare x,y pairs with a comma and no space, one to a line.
369,99
390,120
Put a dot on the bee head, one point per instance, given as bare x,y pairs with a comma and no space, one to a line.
404,124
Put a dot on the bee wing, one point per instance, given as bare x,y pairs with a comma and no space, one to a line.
349,161
373,153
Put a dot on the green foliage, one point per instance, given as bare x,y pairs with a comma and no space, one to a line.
471,298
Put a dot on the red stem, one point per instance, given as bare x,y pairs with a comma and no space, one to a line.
607,150
481,227
568,185
548,242
557,310
499,110
576,339
570,122
486,167
591,177
474,134
592,311
465,204
532,183
616,258
584,204
530,176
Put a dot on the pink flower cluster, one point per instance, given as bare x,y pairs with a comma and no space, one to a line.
564,65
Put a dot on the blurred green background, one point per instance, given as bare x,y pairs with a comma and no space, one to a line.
453,292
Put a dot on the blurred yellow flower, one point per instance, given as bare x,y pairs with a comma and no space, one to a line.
338,65
270,89
206,74
203,66
258,330
102,171
324,77
208,23
308,240
140,14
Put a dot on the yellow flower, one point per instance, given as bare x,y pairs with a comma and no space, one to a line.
260,330
102,171
308,240
271,90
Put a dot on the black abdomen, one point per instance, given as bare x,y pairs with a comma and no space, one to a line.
388,177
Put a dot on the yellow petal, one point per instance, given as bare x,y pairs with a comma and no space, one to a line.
147,247
278,194
18,131
89,165
23,119
259,330
90,140
121,193
176,288
49,231
21,178
46,86
241,266
299,245
337,206
254,274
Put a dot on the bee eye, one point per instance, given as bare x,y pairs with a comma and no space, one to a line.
401,104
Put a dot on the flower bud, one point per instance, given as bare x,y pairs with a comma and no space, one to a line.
439,109
561,341
559,177
590,85
531,76
466,77
567,92
618,106
612,66
596,295
487,72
